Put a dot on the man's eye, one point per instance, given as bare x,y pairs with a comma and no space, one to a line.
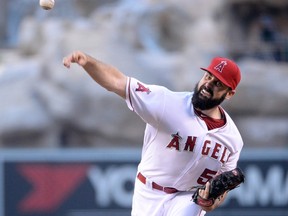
208,76
219,84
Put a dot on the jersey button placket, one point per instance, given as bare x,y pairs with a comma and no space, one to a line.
148,183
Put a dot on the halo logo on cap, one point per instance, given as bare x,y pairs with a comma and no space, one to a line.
220,66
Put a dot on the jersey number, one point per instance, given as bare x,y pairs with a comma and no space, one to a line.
206,176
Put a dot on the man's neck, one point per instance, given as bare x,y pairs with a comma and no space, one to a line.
212,113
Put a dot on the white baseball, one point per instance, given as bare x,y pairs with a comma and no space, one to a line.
47,4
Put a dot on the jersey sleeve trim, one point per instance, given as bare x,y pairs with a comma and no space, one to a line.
128,94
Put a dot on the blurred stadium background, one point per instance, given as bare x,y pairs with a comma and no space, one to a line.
70,148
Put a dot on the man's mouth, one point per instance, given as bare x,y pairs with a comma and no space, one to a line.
204,92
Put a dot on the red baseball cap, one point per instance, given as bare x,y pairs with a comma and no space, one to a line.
226,70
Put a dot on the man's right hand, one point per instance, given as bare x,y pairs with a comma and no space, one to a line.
76,57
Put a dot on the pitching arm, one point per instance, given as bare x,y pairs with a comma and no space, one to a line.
105,75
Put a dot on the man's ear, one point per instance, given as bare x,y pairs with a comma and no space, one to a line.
230,94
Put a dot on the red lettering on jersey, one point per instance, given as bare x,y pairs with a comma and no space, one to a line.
142,88
223,155
205,149
216,151
190,143
220,66
174,143
212,149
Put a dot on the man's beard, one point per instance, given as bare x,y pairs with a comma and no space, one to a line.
204,103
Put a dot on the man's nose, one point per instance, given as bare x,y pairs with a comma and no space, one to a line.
209,84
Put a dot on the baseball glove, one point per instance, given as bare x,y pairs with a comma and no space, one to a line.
221,183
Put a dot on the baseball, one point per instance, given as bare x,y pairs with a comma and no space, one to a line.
47,4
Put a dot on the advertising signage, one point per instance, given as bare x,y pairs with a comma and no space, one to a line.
69,183
265,190
100,183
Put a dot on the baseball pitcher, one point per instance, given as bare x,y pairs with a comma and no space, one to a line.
191,145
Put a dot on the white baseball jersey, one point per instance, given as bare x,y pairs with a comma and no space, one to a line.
178,150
